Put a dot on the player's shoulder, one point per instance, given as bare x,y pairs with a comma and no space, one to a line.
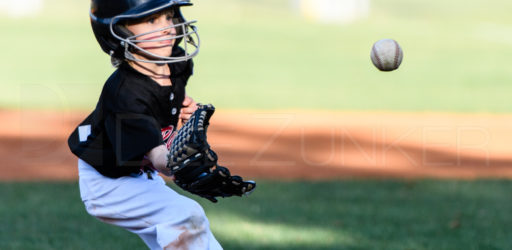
125,91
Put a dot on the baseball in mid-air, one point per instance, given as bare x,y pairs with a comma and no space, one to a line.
386,55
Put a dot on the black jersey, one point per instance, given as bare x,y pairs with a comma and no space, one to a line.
134,114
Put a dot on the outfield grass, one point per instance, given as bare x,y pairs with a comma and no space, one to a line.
349,214
261,54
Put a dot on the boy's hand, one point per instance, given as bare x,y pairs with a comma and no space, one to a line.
189,106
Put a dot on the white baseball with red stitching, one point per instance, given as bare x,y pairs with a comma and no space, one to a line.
386,55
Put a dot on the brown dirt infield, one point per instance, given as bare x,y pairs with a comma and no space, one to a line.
294,144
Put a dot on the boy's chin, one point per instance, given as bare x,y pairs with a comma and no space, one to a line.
149,57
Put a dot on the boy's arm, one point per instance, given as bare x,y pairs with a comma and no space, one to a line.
158,156
194,165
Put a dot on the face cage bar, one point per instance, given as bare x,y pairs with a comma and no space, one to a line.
187,36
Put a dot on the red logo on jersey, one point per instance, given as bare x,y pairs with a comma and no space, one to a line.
168,135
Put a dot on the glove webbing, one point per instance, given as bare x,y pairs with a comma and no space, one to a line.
189,140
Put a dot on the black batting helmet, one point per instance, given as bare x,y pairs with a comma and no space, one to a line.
107,17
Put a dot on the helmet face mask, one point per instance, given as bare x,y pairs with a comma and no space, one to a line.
186,32
120,43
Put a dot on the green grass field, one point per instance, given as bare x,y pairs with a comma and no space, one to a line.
262,54
350,214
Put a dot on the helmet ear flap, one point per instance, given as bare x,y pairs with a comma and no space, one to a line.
177,19
179,29
122,31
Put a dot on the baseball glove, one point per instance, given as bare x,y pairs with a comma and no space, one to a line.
194,164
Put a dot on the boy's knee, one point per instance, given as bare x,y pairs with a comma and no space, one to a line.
193,228
196,216
195,219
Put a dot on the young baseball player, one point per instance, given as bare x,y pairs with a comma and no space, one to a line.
123,143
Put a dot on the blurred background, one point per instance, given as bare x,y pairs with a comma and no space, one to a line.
287,71
268,54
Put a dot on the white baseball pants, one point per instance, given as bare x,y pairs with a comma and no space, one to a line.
163,218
